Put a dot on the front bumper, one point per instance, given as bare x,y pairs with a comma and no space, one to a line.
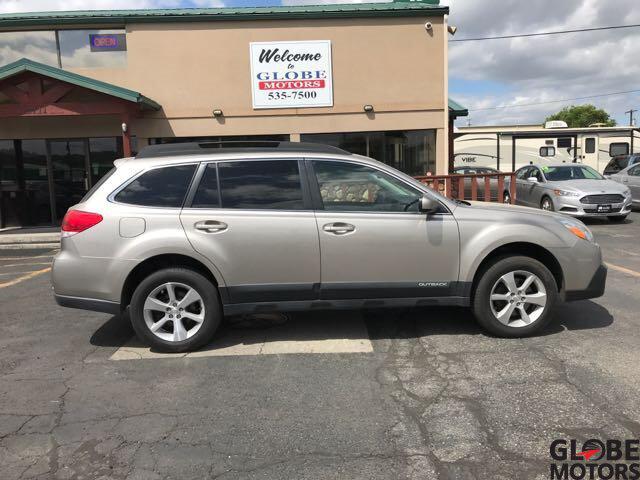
573,207
595,288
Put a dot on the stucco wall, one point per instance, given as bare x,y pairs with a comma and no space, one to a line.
394,64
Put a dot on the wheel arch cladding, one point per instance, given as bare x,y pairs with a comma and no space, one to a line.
159,262
524,249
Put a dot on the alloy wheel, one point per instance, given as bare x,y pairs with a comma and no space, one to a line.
518,298
174,311
546,205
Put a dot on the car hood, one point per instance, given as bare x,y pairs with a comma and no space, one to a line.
589,186
507,208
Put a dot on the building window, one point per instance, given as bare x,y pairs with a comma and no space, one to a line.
37,46
230,138
616,149
411,151
93,48
102,153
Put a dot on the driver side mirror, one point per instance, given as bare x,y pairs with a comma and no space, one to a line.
428,204
532,180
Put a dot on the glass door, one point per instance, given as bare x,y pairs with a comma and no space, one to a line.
69,167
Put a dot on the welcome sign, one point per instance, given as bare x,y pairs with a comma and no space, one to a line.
291,74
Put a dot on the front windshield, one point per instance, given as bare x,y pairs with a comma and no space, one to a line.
571,172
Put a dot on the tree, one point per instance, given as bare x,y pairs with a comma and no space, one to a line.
582,116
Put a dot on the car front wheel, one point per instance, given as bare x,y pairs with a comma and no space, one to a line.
514,297
547,204
175,310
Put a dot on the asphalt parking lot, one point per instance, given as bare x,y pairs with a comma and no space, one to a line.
419,394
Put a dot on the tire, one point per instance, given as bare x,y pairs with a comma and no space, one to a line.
197,327
491,281
617,218
548,201
506,198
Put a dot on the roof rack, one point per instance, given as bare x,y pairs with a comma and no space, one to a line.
201,148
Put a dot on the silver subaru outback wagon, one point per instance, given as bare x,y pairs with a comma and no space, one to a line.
184,234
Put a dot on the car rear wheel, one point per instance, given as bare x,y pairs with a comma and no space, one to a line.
175,310
547,204
514,297
506,198
617,218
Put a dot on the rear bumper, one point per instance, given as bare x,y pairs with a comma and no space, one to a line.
595,288
93,304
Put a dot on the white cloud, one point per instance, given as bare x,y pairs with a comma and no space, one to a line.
534,70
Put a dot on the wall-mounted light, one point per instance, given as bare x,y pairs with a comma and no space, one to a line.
368,108
125,127
217,113
452,30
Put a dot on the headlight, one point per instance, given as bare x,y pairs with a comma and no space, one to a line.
566,193
578,229
627,193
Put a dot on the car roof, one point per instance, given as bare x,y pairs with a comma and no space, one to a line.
556,165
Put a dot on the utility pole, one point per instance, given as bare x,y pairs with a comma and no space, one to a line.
631,112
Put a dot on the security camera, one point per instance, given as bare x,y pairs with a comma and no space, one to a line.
428,26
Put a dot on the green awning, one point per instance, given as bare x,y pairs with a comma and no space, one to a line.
457,110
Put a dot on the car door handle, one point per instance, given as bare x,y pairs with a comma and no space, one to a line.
210,226
338,228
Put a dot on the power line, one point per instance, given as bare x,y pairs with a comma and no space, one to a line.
558,32
553,101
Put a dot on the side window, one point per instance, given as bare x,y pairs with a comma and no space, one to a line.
634,171
159,187
523,173
547,151
621,148
535,172
590,145
261,184
348,187
564,142
207,195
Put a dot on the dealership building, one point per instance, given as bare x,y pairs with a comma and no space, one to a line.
80,89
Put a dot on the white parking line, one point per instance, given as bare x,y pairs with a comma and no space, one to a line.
24,264
628,271
24,277
329,333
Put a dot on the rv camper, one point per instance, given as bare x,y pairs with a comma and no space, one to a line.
508,148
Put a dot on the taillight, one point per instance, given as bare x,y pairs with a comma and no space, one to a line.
76,221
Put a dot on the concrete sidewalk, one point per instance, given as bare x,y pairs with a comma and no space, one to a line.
17,240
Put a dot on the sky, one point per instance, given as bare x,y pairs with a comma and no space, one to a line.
484,75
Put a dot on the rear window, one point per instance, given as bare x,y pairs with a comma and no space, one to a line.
160,187
97,185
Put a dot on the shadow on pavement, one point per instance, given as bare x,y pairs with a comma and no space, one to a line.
248,331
